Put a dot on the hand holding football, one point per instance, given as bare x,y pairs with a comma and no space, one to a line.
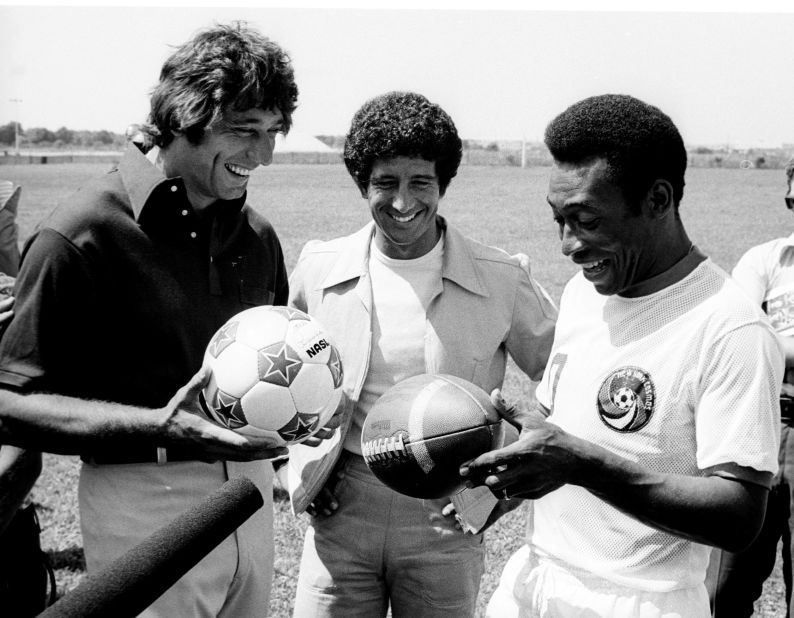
419,432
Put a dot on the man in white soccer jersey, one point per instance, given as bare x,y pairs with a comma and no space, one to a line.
766,273
661,391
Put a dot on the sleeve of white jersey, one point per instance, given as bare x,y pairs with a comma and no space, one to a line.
738,410
542,392
750,273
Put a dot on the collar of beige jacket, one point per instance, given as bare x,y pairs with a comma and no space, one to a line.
459,264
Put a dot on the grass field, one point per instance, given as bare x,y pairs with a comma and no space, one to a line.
725,212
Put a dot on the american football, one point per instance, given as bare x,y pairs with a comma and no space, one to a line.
275,372
420,431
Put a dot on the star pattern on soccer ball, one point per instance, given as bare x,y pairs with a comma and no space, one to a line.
278,364
223,406
236,417
299,427
223,338
335,367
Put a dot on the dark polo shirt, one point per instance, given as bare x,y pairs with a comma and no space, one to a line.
121,288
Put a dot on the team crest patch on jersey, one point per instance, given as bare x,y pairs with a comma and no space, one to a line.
626,399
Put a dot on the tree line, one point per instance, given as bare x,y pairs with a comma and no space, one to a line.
40,136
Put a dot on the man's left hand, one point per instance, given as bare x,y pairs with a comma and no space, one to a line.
539,462
327,430
502,507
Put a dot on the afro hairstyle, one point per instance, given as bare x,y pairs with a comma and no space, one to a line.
639,142
402,124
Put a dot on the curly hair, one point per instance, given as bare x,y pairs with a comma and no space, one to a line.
402,124
225,67
638,141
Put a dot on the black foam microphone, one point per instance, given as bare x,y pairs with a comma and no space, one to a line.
135,580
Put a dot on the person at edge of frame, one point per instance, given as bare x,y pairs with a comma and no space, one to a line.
121,289
766,273
25,582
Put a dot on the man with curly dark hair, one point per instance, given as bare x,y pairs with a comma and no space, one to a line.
638,143
406,295
118,294
656,426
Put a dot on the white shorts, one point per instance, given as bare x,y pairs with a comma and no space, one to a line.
531,587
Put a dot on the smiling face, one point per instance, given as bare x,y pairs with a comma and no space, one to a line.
403,195
615,245
218,167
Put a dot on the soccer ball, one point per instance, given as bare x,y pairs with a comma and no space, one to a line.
275,373
625,398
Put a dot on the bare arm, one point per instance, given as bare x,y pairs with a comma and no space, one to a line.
67,425
714,510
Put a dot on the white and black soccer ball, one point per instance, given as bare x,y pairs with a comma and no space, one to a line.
275,372
625,398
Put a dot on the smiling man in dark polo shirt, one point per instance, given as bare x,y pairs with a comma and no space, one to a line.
119,292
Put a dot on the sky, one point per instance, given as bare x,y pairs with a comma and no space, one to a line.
502,73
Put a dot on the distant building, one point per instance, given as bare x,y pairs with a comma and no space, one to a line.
299,142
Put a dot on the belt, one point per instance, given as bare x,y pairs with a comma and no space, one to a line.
158,455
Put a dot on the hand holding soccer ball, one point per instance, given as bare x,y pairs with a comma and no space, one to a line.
275,373
182,423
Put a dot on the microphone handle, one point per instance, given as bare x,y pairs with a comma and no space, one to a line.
136,579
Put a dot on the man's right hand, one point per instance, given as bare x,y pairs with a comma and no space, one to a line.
186,426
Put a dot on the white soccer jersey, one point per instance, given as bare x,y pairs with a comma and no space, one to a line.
678,381
766,274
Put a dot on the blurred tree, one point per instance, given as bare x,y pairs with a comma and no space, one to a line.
7,133
82,138
103,137
37,135
64,135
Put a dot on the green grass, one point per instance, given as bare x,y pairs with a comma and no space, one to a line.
725,211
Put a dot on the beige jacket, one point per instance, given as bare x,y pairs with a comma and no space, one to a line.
486,305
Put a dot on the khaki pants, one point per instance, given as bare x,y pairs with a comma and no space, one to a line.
381,548
121,505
